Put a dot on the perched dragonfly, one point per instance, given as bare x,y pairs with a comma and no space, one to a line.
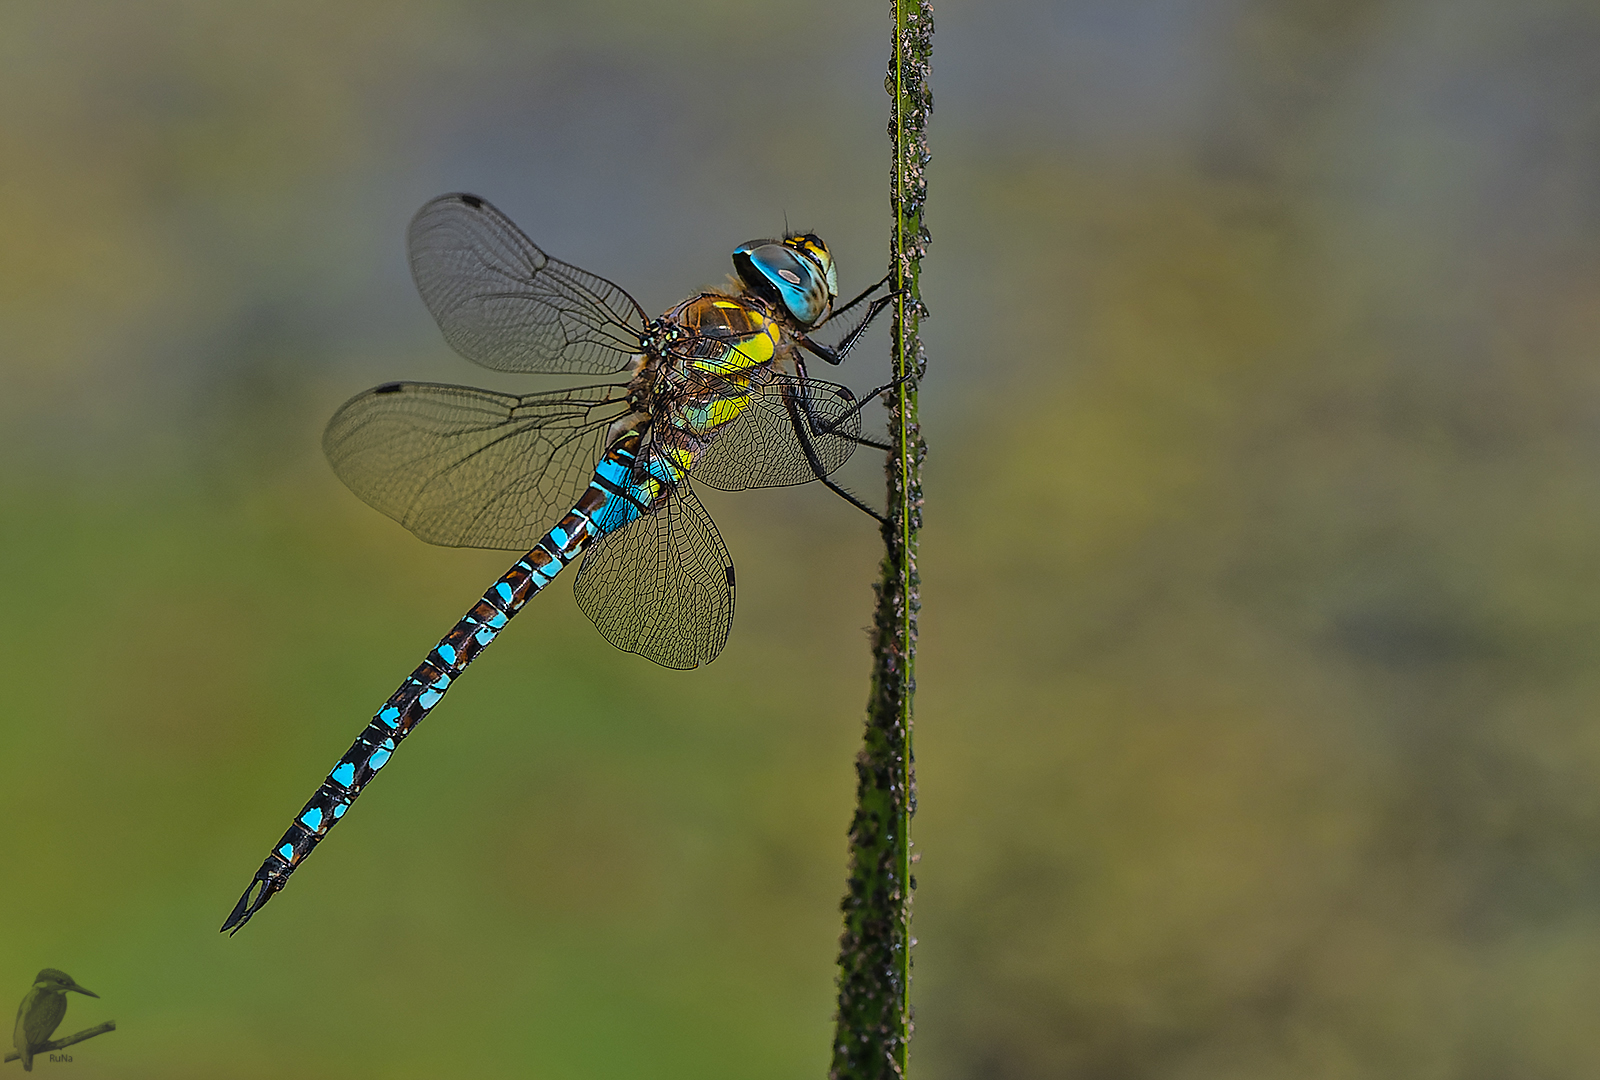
716,392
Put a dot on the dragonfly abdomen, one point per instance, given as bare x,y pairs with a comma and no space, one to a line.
612,499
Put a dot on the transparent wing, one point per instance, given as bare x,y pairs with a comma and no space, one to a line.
662,585
471,468
505,304
765,445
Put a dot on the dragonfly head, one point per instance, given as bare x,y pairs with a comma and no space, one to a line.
796,272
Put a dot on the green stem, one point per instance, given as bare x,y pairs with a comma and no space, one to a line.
873,1033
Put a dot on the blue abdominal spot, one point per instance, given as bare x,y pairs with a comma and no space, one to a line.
614,515
614,472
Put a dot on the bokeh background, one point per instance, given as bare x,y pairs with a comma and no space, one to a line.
1260,676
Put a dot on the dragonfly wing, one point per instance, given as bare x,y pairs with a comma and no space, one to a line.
765,444
662,585
471,468
505,304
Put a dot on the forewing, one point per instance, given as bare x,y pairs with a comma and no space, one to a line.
662,585
471,468
505,304
763,447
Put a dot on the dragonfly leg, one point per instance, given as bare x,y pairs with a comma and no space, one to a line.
820,426
801,430
828,427
835,354
862,440
850,498
868,291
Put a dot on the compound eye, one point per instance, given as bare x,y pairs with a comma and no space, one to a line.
778,273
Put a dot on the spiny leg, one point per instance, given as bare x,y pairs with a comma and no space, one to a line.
815,461
820,426
868,291
835,354
827,427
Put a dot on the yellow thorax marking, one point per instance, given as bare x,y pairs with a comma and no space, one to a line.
753,351
724,409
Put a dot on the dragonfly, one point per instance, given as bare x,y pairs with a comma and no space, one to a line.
715,392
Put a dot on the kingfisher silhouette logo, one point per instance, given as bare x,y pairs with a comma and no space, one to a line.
43,1008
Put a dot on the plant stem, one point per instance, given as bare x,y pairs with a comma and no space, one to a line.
874,1023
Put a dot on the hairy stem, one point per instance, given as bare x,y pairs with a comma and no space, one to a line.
874,1025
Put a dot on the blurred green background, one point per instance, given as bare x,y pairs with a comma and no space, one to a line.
1258,690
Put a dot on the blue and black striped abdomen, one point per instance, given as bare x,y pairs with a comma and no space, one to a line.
613,499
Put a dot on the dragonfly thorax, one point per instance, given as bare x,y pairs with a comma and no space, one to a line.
727,335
